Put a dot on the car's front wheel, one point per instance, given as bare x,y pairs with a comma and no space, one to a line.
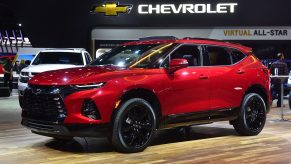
252,117
134,126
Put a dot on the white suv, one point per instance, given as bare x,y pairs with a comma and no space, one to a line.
52,59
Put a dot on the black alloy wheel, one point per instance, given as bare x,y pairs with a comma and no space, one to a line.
134,126
252,118
255,113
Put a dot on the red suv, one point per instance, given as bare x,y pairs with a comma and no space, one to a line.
139,87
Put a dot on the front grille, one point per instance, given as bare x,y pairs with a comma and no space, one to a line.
24,79
24,73
43,103
39,126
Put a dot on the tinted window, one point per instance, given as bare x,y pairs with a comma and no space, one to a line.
189,52
138,56
58,58
237,56
123,56
217,56
154,57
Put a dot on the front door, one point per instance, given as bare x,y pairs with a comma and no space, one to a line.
188,88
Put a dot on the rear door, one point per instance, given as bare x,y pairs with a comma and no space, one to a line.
226,76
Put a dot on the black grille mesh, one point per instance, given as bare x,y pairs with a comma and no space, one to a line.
40,103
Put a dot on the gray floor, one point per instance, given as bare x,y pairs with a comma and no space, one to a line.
19,145
10,111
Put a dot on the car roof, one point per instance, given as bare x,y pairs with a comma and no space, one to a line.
7,56
240,47
245,49
148,42
76,50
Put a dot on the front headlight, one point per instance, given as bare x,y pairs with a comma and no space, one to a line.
89,86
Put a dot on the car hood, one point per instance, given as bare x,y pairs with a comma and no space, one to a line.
83,75
47,67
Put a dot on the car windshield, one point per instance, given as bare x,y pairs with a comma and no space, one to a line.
138,56
58,58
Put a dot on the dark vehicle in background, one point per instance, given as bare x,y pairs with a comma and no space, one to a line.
3,60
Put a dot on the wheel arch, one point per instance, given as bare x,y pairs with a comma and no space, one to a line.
259,89
143,93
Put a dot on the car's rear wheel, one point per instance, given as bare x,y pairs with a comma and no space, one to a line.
252,117
289,100
134,126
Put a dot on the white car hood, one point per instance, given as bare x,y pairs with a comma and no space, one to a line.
47,67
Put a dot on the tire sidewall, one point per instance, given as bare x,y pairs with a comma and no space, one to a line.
117,139
243,113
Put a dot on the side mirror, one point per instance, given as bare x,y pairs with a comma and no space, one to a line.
176,64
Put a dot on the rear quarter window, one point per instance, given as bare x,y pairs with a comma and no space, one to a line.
236,56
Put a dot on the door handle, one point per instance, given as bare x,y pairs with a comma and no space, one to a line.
203,77
240,72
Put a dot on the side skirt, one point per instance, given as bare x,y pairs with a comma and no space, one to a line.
198,118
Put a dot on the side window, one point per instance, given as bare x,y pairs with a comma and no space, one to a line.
189,52
217,56
236,56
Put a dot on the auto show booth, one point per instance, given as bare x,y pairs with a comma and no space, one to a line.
96,25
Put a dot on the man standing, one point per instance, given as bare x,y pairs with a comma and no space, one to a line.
17,67
8,74
279,67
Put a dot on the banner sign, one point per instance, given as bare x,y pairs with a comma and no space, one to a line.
221,33
276,33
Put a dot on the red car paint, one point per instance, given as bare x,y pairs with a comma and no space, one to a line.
2,59
187,90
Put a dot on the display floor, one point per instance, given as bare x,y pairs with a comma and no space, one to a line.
213,143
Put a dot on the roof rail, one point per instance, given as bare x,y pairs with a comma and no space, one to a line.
158,38
188,38
78,49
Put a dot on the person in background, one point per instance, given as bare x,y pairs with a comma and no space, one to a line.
17,67
8,74
27,63
22,64
279,67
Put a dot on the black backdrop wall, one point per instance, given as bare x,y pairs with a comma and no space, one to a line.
68,23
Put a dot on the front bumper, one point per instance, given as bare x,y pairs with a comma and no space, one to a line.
43,103
53,129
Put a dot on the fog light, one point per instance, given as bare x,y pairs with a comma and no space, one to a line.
89,109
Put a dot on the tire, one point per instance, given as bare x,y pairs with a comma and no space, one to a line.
289,100
63,139
252,116
134,126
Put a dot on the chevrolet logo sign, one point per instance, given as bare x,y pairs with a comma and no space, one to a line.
111,9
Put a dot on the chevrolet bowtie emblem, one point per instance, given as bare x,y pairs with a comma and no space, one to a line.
111,9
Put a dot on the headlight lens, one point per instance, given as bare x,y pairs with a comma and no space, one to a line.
89,86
